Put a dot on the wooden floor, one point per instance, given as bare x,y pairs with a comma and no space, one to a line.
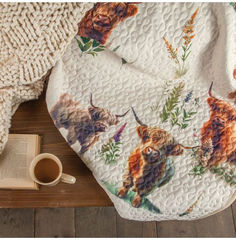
105,222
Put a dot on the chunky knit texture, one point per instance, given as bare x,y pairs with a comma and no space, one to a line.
33,36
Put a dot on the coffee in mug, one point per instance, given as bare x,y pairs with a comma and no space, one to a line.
46,169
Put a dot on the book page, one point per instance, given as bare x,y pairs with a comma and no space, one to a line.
15,160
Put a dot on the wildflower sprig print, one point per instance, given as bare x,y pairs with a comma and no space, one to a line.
225,174
111,150
165,90
190,209
171,51
90,46
123,60
198,169
188,31
179,115
182,115
171,102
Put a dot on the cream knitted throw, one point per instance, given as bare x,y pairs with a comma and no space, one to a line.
33,36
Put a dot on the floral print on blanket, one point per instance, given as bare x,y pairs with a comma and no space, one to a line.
111,150
190,209
183,115
179,115
188,31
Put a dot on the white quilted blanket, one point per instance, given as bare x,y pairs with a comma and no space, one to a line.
173,154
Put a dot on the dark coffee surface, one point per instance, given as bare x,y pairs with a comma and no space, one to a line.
46,170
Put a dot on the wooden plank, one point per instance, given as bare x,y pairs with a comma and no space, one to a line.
16,223
233,207
132,229
218,225
176,229
33,117
149,229
95,222
54,222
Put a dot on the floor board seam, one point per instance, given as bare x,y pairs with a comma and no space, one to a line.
116,220
34,231
74,222
157,229
231,207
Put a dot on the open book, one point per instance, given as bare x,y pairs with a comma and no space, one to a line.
15,160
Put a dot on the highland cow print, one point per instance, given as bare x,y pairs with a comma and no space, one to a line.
147,164
218,134
99,21
83,125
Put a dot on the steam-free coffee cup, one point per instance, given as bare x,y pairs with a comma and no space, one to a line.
46,169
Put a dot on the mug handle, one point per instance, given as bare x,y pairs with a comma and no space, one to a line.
66,178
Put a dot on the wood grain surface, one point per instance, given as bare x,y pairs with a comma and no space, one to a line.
105,222
96,221
54,222
218,225
127,228
16,223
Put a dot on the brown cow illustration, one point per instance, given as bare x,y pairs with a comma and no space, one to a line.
83,125
218,134
99,21
147,165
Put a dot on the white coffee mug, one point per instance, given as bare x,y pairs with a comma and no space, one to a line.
61,176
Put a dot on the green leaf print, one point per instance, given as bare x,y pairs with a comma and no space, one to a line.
95,44
116,48
179,115
80,45
90,46
171,102
87,46
98,49
85,40
123,61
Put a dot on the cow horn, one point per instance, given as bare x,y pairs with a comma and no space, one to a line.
122,115
91,101
188,147
137,119
209,91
